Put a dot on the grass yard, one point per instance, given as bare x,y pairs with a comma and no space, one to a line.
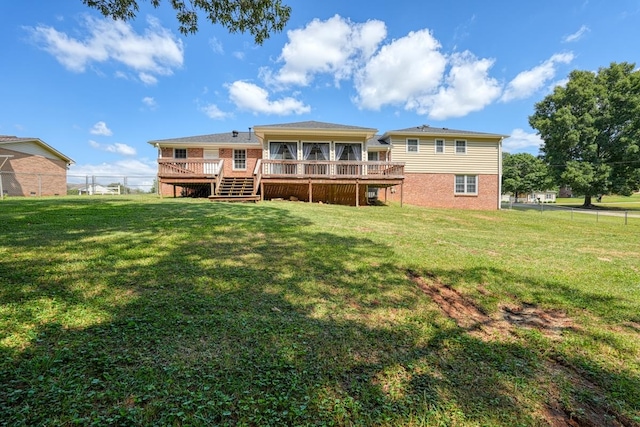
631,203
142,311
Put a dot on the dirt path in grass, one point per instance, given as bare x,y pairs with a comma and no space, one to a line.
551,323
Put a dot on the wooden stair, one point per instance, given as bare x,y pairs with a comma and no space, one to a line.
235,190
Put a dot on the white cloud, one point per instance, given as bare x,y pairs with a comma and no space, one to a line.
577,35
118,148
467,88
248,96
521,141
336,46
409,67
530,81
101,128
150,102
238,55
148,79
213,112
411,71
155,53
216,45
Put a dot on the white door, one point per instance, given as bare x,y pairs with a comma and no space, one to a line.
211,168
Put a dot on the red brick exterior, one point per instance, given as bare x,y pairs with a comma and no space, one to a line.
33,175
437,191
253,155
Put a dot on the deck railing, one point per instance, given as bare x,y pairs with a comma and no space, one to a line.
189,168
265,168
257,176
331,169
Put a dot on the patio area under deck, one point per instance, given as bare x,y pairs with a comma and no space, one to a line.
359,174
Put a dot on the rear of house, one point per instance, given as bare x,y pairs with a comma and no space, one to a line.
448,168
30,167
332,163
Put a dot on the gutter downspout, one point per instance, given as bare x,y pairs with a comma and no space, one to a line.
1,165
500,174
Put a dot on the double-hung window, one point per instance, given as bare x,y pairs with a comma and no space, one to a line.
461,146
466,184
412,145
239,159
179,153
439,146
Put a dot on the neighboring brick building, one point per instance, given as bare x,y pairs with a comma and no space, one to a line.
333,163
30,167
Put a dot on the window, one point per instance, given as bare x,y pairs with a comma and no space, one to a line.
439,146
412,145
315,150
352,152
240,159
461,146
180,153
466,184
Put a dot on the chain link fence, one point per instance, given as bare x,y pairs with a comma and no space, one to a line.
37,185
618,216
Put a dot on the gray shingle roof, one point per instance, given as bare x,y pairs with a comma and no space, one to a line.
429,130
221,138
311,124
377,142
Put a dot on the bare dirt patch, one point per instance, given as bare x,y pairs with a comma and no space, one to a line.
551,323
469,316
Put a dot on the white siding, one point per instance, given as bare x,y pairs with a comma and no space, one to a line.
30,148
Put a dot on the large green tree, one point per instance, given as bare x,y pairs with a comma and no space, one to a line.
261,18
591,131
524,173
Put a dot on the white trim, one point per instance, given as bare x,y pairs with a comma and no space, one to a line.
283,141
455,146
465,192
435,146
333,152
417,140
233,158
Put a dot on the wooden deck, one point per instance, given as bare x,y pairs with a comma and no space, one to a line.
302,178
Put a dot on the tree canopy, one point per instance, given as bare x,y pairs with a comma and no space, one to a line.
261,18
524,173
591,131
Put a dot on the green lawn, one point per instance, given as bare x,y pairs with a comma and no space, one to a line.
631,203
143,311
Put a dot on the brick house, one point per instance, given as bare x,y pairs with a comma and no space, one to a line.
332,163
31,167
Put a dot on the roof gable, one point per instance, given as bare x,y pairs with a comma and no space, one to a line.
21,144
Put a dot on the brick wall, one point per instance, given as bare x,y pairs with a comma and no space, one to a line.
253,154
437,191
32,175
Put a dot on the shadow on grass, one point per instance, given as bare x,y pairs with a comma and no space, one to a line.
201,314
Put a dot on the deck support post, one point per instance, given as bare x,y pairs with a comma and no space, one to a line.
261,191
310,192
213,188
174,191
357,193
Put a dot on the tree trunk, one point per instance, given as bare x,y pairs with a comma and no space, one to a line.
587,202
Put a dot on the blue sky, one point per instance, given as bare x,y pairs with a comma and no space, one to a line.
98,90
